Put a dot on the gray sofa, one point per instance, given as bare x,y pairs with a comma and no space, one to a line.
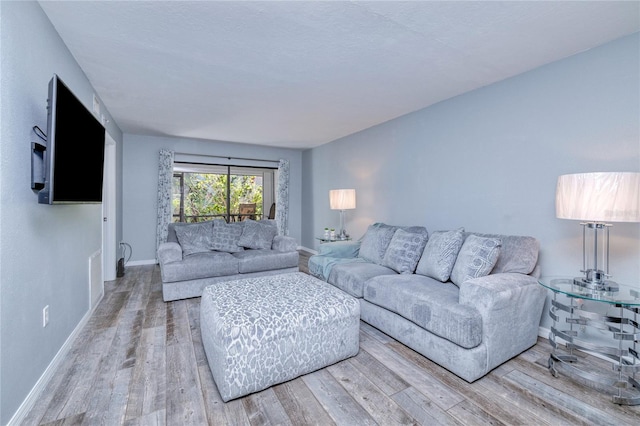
467,301
200,254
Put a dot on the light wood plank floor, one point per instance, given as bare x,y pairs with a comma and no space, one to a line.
140,361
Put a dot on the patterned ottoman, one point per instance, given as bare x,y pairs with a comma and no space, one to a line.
258,332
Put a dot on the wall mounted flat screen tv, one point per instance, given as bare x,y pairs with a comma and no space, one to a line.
74,155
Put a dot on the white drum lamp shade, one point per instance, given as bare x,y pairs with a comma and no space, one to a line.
599,197
342,199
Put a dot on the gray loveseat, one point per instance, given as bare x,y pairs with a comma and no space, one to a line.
200,254
466,301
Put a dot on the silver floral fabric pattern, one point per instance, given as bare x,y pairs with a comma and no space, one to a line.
226,235
258,332
282,199
165,181
405,249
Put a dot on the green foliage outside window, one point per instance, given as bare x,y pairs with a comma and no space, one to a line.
205,195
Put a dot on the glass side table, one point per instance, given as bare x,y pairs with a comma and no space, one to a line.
578,320
332,240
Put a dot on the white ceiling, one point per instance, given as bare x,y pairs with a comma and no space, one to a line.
300,74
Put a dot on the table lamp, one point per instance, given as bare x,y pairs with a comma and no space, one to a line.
342,199
597,199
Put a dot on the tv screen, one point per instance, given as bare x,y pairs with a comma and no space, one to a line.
74,156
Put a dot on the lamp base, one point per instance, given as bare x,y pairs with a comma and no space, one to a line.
602,285
343,235
596,272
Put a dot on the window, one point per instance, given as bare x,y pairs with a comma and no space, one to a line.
204,192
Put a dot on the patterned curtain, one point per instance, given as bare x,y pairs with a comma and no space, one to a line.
282,198
165,179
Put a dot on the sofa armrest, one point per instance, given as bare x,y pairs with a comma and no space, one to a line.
169,252
284,244
340,249
511,307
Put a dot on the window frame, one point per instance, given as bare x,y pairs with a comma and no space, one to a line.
180,168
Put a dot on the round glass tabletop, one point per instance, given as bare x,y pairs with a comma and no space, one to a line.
574,287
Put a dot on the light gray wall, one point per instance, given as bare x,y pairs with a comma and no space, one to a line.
489,160
140,183
44,250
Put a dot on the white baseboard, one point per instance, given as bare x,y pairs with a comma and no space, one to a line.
312,251
543,332
41,384
141,262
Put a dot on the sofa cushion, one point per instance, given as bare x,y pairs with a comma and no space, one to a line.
271,222
350,277
171,232
405,249
375,242
440,254
265,260
429,304
200,265
517,253
477,258
257,235
194,237
225,236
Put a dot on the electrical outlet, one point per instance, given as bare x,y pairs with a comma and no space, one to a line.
45,316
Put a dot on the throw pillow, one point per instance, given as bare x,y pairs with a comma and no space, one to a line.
375,242
194,237
440,254
477,258
405,249
257,235
225,236
517,253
